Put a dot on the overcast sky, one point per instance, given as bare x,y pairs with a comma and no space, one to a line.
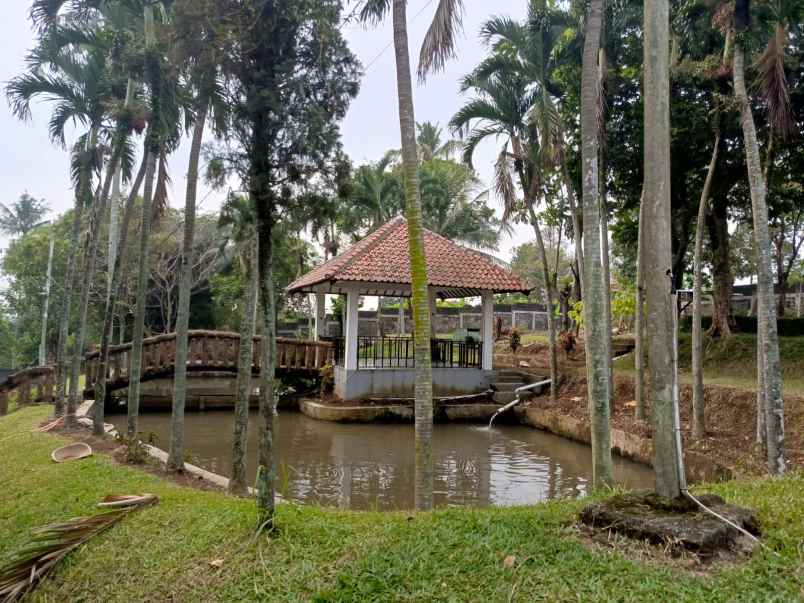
30,162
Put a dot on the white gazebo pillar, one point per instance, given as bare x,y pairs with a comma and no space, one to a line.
350,328
487,298
320,315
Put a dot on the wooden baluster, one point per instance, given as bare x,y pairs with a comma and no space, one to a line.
309,355
48,387
24,392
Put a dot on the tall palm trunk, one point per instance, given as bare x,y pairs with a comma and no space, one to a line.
266,470
418,266
87,277
111,300
550,289
135,372
577,231
658,255
766,308
604,217
594,312
237,484
639,319
114,206
176,456
70,285
153,145
698,415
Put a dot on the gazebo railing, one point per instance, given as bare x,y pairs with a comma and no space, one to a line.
397,352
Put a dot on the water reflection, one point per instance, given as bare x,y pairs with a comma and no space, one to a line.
372,466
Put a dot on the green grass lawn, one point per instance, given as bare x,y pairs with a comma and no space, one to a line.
732,362
163,553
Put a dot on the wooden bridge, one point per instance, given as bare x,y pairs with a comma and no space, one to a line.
208,351
23,381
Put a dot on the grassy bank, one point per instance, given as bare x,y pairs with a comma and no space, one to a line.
732,362
163,553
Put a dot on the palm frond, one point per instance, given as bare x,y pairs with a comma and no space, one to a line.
160,201
439,43
51,543
773,85
504,184
374,11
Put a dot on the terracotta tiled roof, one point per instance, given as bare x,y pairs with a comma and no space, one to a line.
382,257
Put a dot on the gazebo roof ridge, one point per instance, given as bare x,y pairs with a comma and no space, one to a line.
382,257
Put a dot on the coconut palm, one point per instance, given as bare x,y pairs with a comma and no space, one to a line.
20,217
431,143
502,107
438,47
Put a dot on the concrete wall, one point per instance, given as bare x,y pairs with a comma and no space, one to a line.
399,383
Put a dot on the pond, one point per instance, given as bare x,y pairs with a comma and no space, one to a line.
371,466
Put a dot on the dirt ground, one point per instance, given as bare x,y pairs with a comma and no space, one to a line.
730,412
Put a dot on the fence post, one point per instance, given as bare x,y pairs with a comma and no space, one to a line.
3,403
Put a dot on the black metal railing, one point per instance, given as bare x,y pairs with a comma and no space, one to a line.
397,352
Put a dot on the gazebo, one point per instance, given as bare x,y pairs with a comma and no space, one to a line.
379,265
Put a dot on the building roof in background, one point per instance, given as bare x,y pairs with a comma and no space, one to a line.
382,258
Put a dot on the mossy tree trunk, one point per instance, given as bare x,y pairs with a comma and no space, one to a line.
594,290
658,247
418,265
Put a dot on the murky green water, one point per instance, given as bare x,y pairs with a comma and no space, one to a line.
372,466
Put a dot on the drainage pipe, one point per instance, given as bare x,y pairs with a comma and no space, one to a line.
518,392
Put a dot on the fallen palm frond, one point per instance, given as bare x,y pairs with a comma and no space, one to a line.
52,543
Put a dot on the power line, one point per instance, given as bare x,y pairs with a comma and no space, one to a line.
391,43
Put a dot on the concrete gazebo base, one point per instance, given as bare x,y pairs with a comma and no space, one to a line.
353,385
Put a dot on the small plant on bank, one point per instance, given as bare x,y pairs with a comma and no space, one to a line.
327,379
514,340
136,451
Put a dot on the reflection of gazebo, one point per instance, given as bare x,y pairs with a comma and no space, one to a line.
379,265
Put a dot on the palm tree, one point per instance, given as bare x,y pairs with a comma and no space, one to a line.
237,217
431,144
376,196
22,215
438,47
154,140
68,68
657,252
595,323
197,47
503,106
770,385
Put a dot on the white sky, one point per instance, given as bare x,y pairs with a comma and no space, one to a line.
30,162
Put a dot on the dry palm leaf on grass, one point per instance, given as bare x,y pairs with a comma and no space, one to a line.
51,543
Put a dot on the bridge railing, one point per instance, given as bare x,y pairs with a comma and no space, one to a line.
207,351
42,377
